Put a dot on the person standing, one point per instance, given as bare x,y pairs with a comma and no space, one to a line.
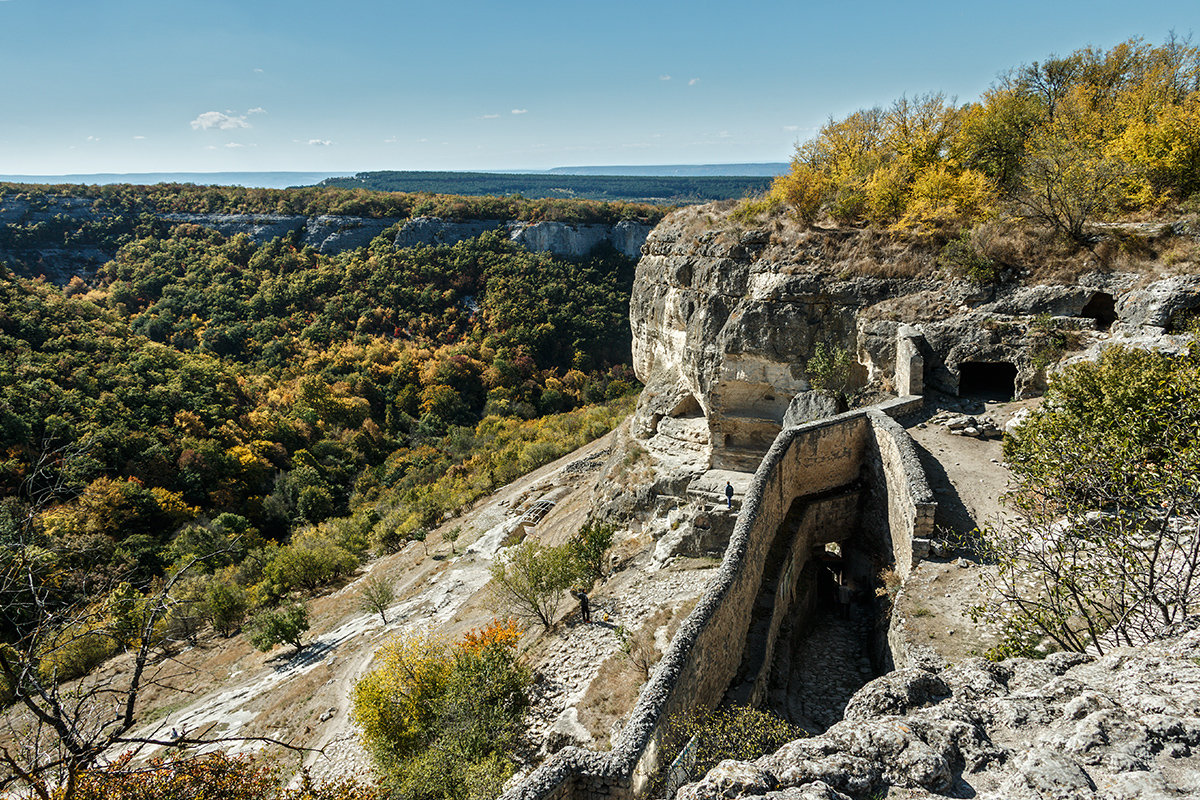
585,611
729,494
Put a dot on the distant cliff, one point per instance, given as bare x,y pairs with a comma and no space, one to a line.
60,237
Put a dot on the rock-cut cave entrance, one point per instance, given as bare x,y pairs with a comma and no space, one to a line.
987,380
817,633
1102,308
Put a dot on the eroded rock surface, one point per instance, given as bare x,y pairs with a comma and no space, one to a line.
1119,727
727,320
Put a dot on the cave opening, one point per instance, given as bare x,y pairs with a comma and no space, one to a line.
1102,308
688,406
989,380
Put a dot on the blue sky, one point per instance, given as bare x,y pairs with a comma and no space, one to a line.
207,85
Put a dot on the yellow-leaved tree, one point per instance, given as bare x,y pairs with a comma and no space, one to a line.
442,719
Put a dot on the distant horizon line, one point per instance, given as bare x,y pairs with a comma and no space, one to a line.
754,168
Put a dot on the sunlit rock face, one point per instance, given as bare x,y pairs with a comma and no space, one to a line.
56,252
726,319
1120,727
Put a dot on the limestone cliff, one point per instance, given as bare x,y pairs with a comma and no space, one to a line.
65,236
725,320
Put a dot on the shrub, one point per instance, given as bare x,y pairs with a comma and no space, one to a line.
442,720
962,256
829,367
1106,483
742,733
217,774
284,625
801,189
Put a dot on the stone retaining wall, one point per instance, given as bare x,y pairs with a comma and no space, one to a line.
706,652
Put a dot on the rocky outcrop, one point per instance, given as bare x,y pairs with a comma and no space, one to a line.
733,317
1119,727
560,238
432,231
577,241
334,234
41,236
261,228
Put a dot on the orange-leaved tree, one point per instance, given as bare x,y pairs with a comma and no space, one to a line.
442,719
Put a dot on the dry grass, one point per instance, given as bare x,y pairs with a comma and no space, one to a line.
1031,253
609,697
613,693
1182,256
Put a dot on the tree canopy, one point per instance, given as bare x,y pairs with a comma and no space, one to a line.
1058,142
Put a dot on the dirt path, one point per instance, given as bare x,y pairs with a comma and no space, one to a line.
969,479
304,697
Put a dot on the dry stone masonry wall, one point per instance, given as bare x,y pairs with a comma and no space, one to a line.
812,460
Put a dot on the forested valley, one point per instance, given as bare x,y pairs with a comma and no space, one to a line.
265,417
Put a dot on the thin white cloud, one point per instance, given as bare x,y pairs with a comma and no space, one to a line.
664,77
490,116
258,69
139,138
520,111
215,119
791,128
693,81
234,144
93,138
256,110
320,142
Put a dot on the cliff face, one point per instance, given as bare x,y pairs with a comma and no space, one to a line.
57,237
726,320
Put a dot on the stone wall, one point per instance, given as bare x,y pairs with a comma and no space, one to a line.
704,656
904,504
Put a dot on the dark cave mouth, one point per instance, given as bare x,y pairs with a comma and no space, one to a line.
988,380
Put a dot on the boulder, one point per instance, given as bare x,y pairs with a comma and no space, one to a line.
1118,727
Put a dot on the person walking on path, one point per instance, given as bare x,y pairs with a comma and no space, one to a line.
729,493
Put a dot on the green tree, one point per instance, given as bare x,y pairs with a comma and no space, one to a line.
1066,185
531,581
589,548
284,625
225,605
1107,486
377,595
